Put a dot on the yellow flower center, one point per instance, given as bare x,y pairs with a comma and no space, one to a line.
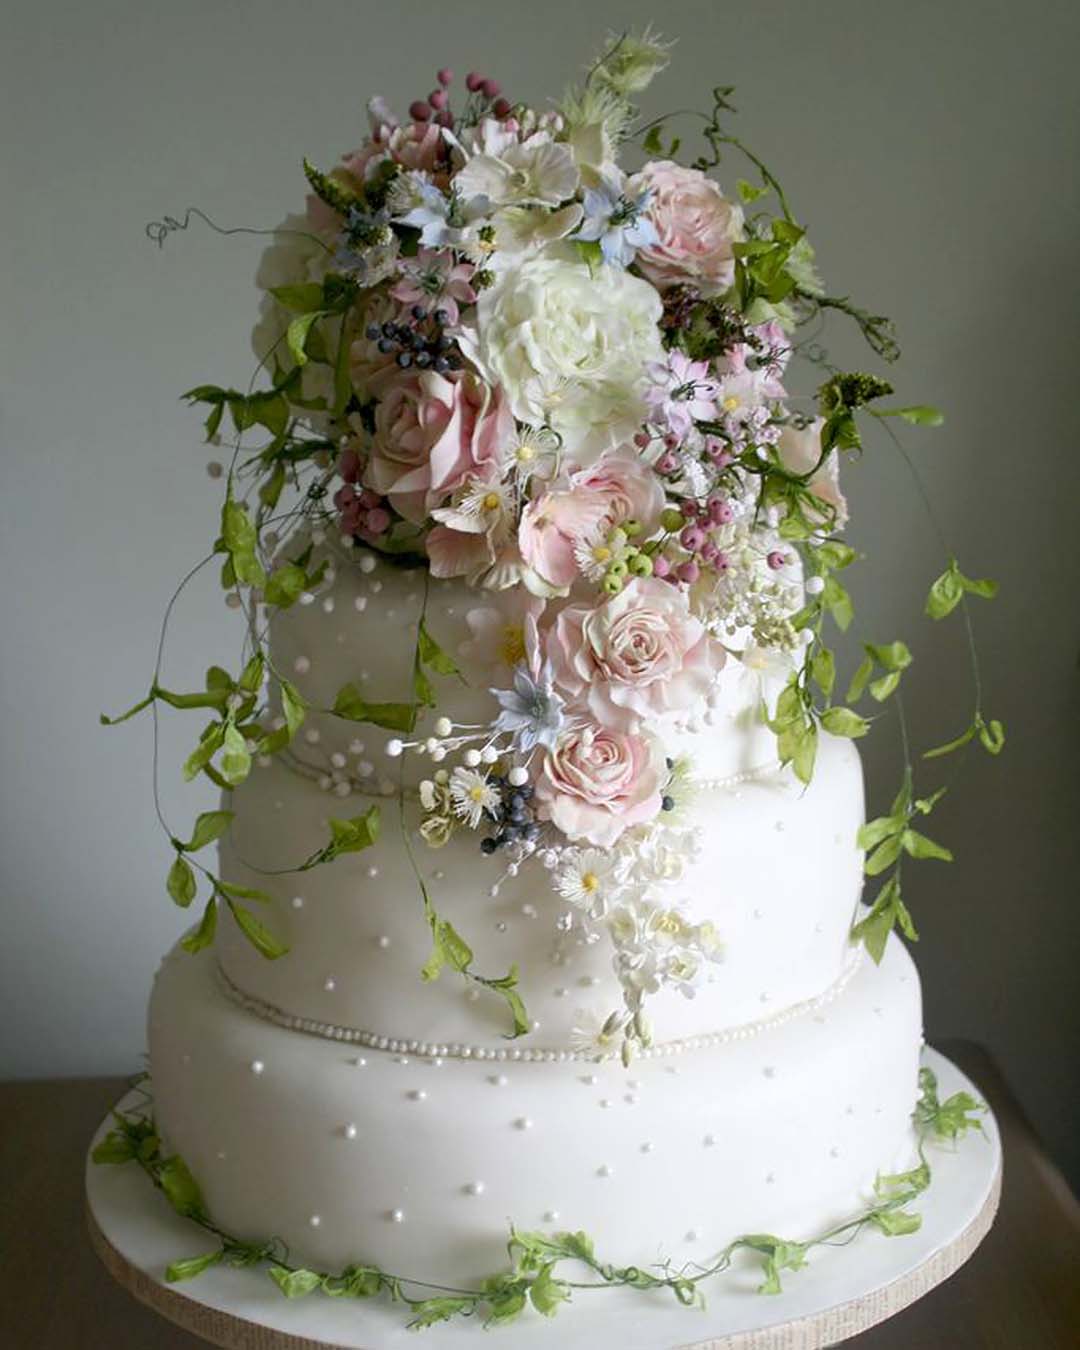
730,403
476,793
601,553
590,882
491,501
512,646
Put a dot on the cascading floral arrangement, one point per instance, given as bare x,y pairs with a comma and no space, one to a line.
494,351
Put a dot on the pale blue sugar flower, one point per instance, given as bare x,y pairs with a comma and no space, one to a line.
441,219
532,713
614,218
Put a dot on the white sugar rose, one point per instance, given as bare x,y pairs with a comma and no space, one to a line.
635,657
569,348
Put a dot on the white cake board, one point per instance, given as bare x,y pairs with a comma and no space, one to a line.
843,1291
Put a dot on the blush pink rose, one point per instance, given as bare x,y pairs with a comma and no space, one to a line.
597,782
629,488
431,434
639,655
696,226
799,449
549,528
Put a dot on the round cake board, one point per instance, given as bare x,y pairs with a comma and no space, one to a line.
843,1291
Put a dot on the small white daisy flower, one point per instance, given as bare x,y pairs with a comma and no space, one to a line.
472,795
588,878
594,1035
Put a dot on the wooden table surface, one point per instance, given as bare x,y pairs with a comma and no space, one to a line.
1020,1291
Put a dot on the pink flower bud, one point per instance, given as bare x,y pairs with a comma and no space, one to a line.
445,76
688,572
445,118
688,508
368,499
348,465
667,463
722,563
641,439
709,552
473,81
720,511
437,98
660,566
419,111
692,538
344,497
776,559
671,441
492,88
501,107
378,521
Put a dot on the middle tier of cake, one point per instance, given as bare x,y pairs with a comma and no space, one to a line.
777,872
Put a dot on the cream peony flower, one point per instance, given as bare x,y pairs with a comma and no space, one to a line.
569,348
509,171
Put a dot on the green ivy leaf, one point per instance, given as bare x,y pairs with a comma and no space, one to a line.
431,654
823,670
295,1283
303,298
429,1311
919,414
236,757
842,721
859,680
590,253
115,1148
874,831
209,744
203,936
748,192
180,1188
297,335
837,601
355,1282
180,883
209,826
351,705
546,1292
449,949
242,892
918,846
946,592
260,937
285,585
949,746
240,540
293,707
895,1222
191,1266
883,856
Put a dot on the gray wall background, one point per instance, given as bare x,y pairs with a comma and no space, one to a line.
931,148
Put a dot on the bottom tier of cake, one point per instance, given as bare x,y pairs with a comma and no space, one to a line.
419,1165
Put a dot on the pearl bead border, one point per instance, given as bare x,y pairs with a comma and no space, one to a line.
371,1040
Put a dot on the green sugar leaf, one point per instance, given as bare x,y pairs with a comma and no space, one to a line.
180,1188
546,1292
270,491
293,707
298,334
833,554
946,592
859,680
894,656
240,539
430,1311
355,1282
874,831
260,937
823,670
351,705
431,654
351,836
881,688
842,721
209,826
295,1283
193,1265
883,856
210,698
590,253
748,192
209,743
203,936
180,883
918,846
116,1147
802,761
838,602
236,757
301,299
242,892
895,1222
919,414
285,585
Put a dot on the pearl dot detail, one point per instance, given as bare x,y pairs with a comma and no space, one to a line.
523,1123
551,1216
396,1216
417,1095
257,1066
301,665
315,1220
350,1131
474,1188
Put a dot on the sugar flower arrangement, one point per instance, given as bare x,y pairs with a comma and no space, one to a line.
533,351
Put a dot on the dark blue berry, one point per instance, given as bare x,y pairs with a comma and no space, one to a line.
386,344
441,317
442,365
488,846
373,331
419,313
667,804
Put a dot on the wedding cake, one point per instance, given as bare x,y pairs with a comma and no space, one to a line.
541,850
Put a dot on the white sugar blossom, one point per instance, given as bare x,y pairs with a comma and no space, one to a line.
472,794
595,1035
589,879
513,172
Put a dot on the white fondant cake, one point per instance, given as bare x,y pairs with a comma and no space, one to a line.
335,1100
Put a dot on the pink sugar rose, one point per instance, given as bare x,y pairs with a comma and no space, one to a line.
431,434
639,655
617,488
597,782
799,449
696,226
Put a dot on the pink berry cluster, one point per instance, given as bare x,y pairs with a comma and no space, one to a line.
363,512
436,107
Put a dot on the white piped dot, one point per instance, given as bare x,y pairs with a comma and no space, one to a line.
257,1066
350,1131
373,872
647,1146
692,1235
551,1216
474,1188
523,1123
498,1080
604,1170
358,1062
329,984
301,665
709,1141
383,942
315,1220
396,1216
417,1095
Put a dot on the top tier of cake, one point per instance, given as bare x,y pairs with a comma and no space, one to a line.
774,866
